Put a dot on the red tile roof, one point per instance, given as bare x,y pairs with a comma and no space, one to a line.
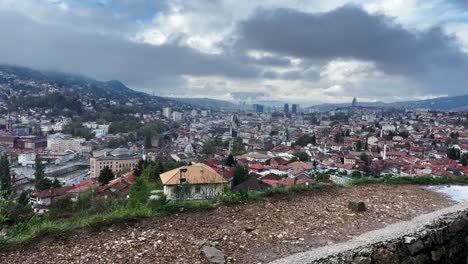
53,192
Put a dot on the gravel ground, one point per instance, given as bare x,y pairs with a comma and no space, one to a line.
276,228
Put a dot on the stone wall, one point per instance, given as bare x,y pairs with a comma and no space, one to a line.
444,241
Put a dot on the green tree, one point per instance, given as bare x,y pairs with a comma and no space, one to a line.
3,204
453,153
364,157
322,176
303,156
151,174
41,182
139,193
356,174
77,129
148,136
5,176
56,183
23,199
294,159
359,145
306,139
339,138
464,159
241,174
140,167
238,147
105,175
230,161
123,171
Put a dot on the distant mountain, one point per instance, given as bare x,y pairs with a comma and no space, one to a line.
454,103
23,88
329,107
15,80
207,103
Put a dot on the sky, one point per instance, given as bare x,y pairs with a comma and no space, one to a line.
297,51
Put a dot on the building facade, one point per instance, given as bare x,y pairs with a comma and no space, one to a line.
63,142
115,160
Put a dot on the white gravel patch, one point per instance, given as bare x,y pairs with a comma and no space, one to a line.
388,233
458,193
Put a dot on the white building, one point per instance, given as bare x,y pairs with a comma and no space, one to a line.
177,116
197,181
27,158
62,142
56,127
167,112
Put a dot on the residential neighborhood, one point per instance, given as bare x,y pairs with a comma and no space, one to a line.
275,146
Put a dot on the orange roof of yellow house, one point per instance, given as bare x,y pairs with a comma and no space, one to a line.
196,174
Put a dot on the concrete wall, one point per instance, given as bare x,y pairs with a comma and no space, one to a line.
438,237
443,242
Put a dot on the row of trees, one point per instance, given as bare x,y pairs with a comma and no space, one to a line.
18,210
40,180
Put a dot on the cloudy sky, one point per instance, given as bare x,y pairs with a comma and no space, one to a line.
304,51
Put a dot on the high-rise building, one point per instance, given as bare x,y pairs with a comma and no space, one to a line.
234,125
177,116
286,108
294,108
354,104
167,112
258,108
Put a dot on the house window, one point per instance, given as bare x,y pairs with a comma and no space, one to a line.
197,189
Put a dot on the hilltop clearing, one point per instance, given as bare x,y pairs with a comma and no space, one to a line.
250,233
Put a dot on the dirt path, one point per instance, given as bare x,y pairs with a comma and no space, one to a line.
283,226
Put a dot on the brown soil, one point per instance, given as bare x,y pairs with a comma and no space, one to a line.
282,226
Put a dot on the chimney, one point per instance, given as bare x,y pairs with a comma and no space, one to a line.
201,169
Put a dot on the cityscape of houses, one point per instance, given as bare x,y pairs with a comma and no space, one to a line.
279,146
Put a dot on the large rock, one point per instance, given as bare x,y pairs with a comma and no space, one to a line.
357,206
416,247
213,255
437,254
385,256
362,260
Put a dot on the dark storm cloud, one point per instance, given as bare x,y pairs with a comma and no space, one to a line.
351,33
27,43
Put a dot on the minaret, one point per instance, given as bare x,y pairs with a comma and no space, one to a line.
8,124
385,152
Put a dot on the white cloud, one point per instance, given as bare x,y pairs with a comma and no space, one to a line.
207,26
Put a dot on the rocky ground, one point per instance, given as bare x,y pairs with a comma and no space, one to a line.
251,233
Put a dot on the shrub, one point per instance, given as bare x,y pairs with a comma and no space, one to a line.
276,191
322,177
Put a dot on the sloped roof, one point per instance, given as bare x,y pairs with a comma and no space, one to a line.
301,164
53,192
196,174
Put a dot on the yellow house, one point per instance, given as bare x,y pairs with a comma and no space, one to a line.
198,181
